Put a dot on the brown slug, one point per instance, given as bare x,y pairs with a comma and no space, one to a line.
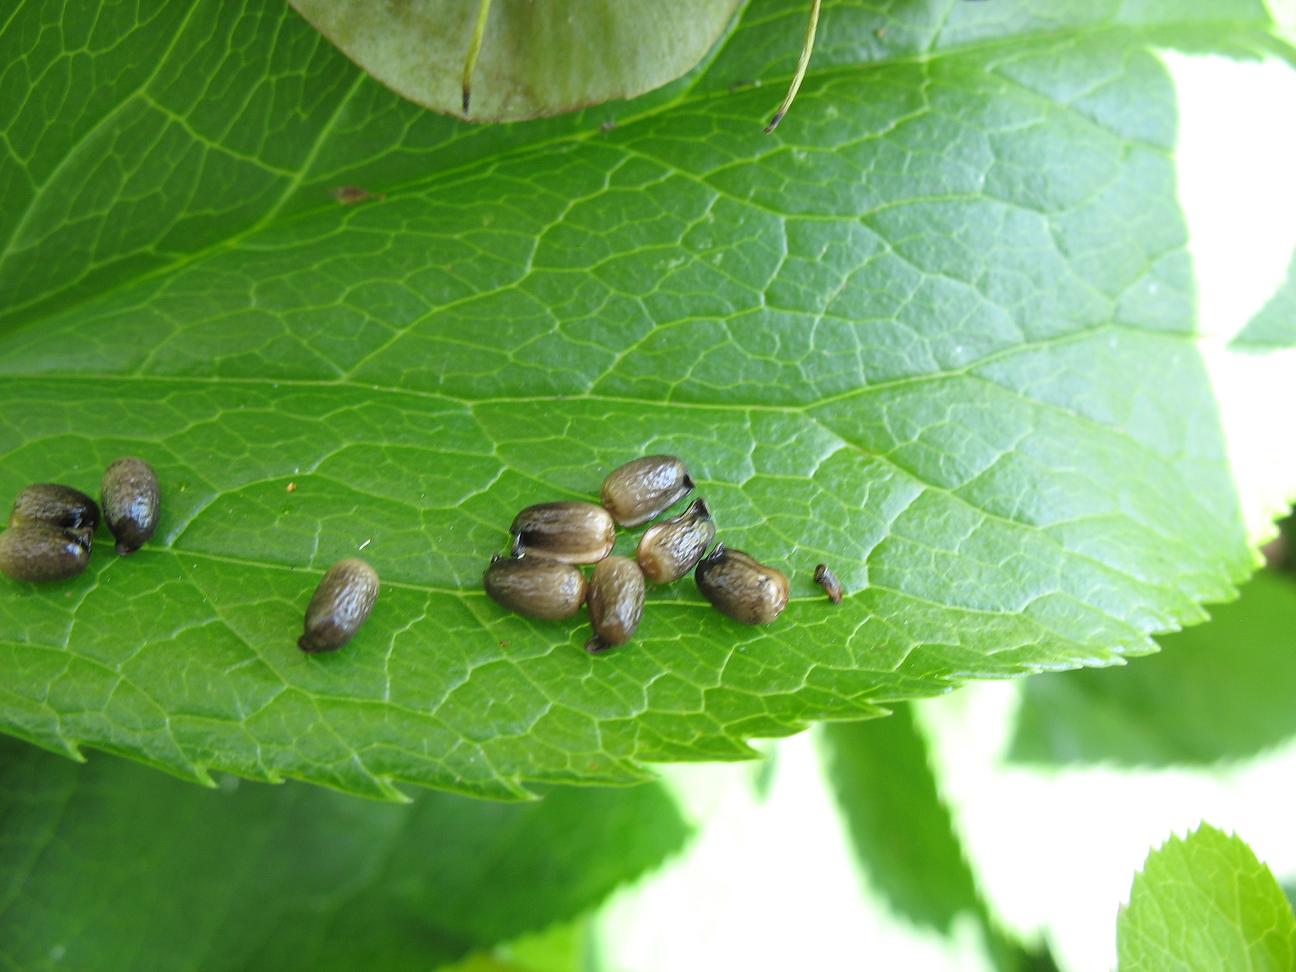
644,488
538,588
741,586
571,532
341,603
670,549
130,502
37,552
616,600
53,504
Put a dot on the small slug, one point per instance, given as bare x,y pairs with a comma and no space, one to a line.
341,603
643,488
35,552
616,600
130,502
670,549
741,587
56,505
570,532
538,588
826,579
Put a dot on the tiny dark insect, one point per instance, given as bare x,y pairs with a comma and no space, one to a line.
39,553
341,603
826,579
742,587
670,549
616,600
572,532
55,505
130,502
644,488
539,588
350,195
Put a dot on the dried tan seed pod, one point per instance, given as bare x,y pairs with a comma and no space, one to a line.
571,532
640,490
826,579
38,553
130,502
55,505
670,549
538,588
741,586
616,599
341,603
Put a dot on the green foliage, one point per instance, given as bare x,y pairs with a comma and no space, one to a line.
1219,691
113,866
1275,325
902,832
898,824
1205,902
915,334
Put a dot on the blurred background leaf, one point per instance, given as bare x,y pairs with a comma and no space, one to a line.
1221,690
534,59
1275,325
111,865
902,832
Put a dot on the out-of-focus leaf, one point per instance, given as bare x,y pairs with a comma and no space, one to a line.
113,866
1220,690
898,823
535,59
1206,903
561,948
902,831
1275,325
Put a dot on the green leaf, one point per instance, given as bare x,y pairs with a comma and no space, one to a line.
103,863
898,823
1205,902
1219,691
915,334
561,948
533,60
902,831
1275,325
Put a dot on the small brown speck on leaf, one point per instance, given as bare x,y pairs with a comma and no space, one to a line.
291,487
350,195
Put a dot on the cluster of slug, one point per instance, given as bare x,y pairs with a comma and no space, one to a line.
542,580
52,527
51,534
